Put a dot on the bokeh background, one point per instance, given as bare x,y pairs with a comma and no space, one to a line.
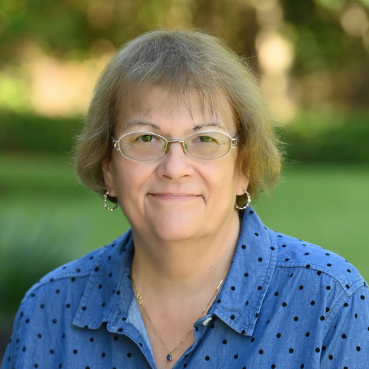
311,58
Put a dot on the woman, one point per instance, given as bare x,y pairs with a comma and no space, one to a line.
178,136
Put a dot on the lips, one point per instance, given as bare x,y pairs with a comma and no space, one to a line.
174,196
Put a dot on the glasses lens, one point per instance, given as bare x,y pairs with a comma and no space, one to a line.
208,145
142,146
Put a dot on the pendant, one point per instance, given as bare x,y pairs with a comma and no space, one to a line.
169,357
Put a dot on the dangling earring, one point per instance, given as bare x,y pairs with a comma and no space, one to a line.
106,205
247,203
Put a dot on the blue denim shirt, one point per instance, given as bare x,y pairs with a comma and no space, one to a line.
284,304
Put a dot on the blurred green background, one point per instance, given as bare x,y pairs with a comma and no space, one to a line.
312,61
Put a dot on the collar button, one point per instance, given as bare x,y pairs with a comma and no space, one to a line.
207,321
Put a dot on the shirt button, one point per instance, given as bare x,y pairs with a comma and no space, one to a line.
206,321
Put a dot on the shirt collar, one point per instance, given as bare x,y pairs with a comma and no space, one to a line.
108,293
239,302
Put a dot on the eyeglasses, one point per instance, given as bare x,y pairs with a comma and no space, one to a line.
204,145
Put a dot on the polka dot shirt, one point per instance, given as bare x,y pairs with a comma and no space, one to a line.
284,304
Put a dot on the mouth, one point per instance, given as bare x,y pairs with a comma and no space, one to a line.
174,197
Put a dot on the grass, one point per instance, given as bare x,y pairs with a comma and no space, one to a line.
47,218
326,205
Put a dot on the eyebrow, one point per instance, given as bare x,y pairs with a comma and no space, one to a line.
197,127
140,123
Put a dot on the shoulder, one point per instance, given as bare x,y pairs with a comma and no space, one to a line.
50,305
319,285
319,302
64,287
311,260
67,277
79,270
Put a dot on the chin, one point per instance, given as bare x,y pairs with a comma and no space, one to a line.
177,228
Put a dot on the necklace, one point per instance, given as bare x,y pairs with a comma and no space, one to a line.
140,301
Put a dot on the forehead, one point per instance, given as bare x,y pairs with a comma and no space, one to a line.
160,103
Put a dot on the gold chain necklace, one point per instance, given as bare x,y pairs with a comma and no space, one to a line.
140,301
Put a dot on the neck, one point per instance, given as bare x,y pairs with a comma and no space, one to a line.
186,266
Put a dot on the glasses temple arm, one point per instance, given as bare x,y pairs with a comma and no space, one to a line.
234,141
115,143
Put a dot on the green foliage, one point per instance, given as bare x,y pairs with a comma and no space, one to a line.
31,133
335,137
57,26
28,252
323,48
321,43
69,30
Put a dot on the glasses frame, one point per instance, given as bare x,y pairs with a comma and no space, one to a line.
234,144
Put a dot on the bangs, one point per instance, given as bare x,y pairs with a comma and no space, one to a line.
133,99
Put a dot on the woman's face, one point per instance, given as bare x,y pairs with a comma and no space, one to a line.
175,197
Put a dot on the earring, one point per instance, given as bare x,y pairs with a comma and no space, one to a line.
106,205
247,203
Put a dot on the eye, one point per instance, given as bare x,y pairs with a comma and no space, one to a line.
207,139
146,138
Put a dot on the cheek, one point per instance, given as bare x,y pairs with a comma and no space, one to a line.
229,171
131,179
222,177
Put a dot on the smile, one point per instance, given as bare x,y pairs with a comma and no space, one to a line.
174,197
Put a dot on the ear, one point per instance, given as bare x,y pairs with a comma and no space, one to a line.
107,168
242,184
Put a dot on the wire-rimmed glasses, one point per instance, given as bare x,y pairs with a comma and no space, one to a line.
146,146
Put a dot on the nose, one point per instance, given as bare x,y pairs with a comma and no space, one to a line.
175,164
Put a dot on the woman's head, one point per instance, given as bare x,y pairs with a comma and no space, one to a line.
175,196
182,63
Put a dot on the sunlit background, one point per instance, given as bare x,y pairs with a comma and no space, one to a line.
311,58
